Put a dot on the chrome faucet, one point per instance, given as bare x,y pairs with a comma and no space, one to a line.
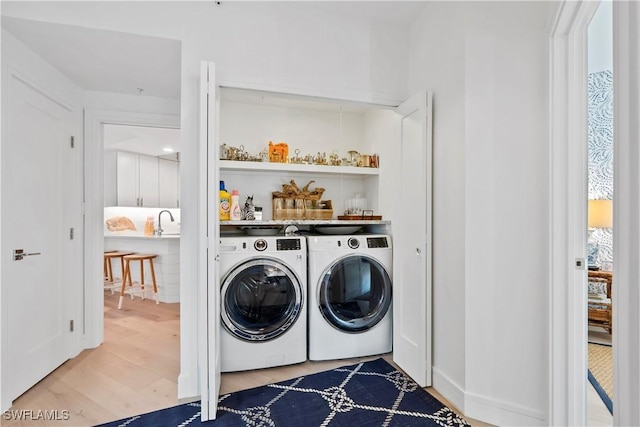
159,220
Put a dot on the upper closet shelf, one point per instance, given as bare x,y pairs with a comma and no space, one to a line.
296,167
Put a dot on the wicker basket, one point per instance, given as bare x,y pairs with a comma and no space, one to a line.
318,209
301,209
295,203
318,213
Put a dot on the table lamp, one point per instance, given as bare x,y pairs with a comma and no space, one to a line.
600,216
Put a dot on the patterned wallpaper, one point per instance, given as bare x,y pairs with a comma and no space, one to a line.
601,151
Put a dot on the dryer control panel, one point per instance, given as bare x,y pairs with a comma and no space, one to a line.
377,242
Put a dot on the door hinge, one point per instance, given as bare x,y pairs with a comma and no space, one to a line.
71,233
72,140
71,325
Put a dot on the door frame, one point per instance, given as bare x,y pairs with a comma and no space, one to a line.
94,119
567,327
626,209
568,213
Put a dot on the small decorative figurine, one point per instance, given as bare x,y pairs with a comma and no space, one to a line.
248,212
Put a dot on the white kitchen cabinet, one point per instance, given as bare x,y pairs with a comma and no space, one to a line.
169,183
110,178
136,180
127,193
148,181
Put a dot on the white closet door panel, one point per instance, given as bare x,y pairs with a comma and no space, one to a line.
208,237
412,243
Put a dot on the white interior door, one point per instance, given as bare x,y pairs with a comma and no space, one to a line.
412,243
208,307
36,218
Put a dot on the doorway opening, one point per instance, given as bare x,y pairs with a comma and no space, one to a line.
601,283
142,216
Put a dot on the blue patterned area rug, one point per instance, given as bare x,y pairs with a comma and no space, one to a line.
364,395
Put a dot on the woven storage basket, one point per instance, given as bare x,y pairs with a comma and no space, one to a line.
295,203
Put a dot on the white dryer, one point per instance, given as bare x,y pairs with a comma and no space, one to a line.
349,296
263,300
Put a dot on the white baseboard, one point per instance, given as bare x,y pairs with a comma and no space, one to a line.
448,389
480,408
187,389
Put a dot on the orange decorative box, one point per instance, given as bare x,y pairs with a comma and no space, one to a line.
278,153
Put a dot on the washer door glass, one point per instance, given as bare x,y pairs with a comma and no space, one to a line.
355,293
261,299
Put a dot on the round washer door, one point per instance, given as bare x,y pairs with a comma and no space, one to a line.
261,299
355,293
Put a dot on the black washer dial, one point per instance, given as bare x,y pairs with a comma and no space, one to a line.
260,245
353,243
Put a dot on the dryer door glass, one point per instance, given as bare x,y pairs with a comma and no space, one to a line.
355,293
261,299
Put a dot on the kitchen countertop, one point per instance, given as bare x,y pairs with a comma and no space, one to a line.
271,222
163,237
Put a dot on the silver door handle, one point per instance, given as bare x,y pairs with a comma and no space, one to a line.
418,251
19,254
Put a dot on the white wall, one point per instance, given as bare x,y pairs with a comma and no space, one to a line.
139,104
492,170
266,44
440,66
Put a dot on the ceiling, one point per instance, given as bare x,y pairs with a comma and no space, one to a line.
105,61
140,139
393,12
110,61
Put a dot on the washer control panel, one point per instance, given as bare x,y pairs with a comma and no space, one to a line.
266,244
288,245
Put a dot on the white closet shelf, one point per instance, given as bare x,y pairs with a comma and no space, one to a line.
295,167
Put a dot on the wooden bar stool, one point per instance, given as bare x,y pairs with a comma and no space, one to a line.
109,283
138,288
107,271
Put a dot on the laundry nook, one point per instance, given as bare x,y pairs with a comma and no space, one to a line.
204,198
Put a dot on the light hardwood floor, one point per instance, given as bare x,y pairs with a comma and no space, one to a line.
135,371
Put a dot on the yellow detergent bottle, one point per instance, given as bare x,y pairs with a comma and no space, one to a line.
225,203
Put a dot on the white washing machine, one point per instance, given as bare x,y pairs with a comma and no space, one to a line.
263,300
350,313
